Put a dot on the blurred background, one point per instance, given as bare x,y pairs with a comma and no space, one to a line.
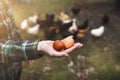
95,23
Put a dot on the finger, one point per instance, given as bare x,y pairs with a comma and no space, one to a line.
59,54
75,46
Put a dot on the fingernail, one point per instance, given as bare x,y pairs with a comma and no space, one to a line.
80,45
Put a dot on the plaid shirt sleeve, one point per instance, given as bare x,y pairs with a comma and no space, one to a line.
19,51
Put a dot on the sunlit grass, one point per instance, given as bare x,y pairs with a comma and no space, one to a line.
23,10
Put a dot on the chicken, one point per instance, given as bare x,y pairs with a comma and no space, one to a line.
98,32
76,9
84,25
79,34
105,19
51,32
50,19
81,30
73,28
65,25
33,30
24,24
30,21
63,16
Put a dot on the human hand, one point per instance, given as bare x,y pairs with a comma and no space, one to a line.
47,48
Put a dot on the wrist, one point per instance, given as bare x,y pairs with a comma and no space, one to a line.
39,48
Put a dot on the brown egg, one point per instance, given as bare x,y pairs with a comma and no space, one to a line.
58,45
68,42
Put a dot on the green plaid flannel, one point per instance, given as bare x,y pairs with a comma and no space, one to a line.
12,50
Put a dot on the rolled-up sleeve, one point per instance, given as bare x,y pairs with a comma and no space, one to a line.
19,51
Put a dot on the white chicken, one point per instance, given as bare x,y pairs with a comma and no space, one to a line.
33,19
29,22
98,32
33,30
73,28
24,24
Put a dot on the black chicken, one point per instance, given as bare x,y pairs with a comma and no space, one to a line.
75,37
84,25
66,26
105,19
82,29
50,19
76,9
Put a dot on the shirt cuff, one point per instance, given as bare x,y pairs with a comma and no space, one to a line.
31,50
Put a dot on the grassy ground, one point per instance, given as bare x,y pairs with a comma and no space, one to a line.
97,60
